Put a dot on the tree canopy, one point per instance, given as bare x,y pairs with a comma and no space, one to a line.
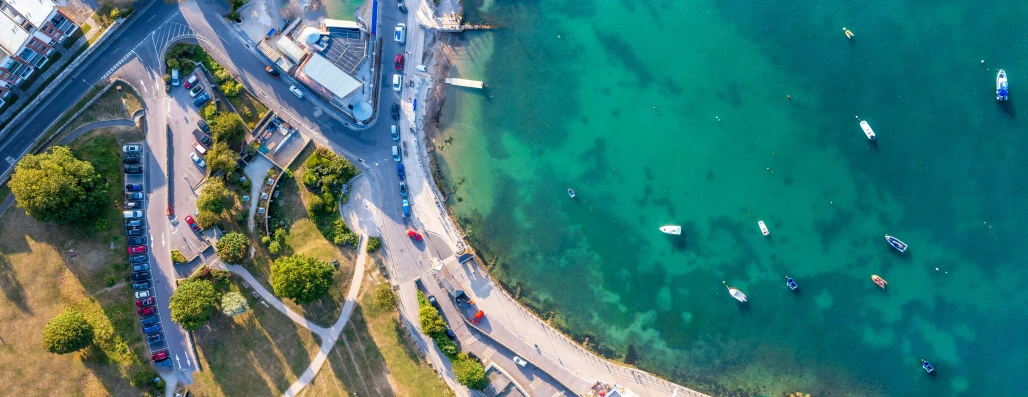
469,372
301,278
232,247
384,296
226,126
212,197
56,187
431,321
68,332
207,219
221,158
192,303
234,304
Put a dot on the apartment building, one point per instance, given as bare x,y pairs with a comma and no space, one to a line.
29,31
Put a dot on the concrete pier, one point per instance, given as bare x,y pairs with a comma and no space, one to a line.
465,83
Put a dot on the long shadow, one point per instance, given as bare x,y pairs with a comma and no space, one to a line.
12,288
359,360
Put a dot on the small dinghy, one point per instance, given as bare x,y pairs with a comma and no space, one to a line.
878,280
763,228
735,293
571,193
1002,88
867,130
671,229
927,367
791,283
896,243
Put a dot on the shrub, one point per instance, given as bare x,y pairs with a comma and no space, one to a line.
384,296
274,247
315,204
234,304
209,111
265,240
469,372
374,243
232,247
192,303
242,216
446,346
430,320
301,278
68,332
109,281
177,257
101,225
172,63
144,380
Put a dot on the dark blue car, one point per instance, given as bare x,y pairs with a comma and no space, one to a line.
152,329
202,99
399,171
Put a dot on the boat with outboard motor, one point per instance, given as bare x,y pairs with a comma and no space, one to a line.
571,193
896,243
791,283
927,367
1002,87
763,228
671,229
878,280
867,130
735,293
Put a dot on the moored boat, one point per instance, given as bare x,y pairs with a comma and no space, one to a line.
1002,87
671,229
878,280
735,293
896,243
763,228
791,283
571,193
927,366
867,130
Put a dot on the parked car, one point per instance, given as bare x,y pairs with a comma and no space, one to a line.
133,187
190,81
201,100
142,294
397,82
273,72
135,231
406,207
403,189
148,320
141,276
398,63
136,240
402,8
206,140
152,329
131,158
192,224
203,126
399,171
142,267
296,91
133,169
145,302
434,302
395,111
400,33
199,148
397,157
134,223
394,132
196,90
134,196
450,334
141,286
146,311
414,235
136,214
478,317
137,259
133,204
138,249
197,160
174,77
159,355
154,338
131,149
520,361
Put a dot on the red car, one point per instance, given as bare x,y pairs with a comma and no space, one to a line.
414,235
139,249
399,62
478,317
192,223
144,302
159,355
146,311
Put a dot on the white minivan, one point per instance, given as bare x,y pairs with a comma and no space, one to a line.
174,77
396,154
400,34
397,82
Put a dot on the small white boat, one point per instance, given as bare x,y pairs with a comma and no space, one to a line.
763,228
867,130
671,229
571,193
735,293
1002,87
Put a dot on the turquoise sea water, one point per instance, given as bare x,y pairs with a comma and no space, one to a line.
620,100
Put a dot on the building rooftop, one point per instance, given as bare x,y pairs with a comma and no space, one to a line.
12,35
290,49
345,48
36,11
327,75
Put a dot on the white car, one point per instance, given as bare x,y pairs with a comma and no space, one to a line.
400,34
142,294
520,361
397,82
132,214
131,149
196,159
296,91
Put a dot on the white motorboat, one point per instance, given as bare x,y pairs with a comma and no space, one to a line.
1002,87
763,228
867,130
735,293
671,229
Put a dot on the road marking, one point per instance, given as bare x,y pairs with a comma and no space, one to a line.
144,86
162,239
177,361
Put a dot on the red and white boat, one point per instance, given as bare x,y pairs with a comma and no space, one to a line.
763,228
878,280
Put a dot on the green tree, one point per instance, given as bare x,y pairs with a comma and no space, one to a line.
384,296
446,346
221,158
374,243
212,197
226,127
209,111
231,89
207,219
56,187
274,247
301,278
315,204
234,304
68,332
173,63
431,322
232,247
192,303
469,372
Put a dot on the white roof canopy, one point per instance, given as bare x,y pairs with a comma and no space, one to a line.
329,76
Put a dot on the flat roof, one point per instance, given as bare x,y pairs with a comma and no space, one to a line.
346,49
36,11
323,72
290,49
336,23
12,35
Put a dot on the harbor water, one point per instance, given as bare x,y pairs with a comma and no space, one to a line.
715,114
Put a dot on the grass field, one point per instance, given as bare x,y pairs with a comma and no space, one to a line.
258,353
119,102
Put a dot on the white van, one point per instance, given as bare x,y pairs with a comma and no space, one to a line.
397,82
174,77
400,34
396,154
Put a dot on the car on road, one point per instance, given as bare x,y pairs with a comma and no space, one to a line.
134,231
142,267
395,111
142,294
397,82
136,214
137,259
133,169
414,235
146,311
273,72
199,148
141,276
396,154
133,204
520,362
450,334
478,317
400,172
394,131
190,81
196,90
138,249
141,286
149,320
203,125
400,33
134,223
202,99
192,224
153,329
136,240
145,302
133,187
398,63
402,8
132,149
154,338
406,207
197,160
131,158
159,355
296,91
403,189
174,77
